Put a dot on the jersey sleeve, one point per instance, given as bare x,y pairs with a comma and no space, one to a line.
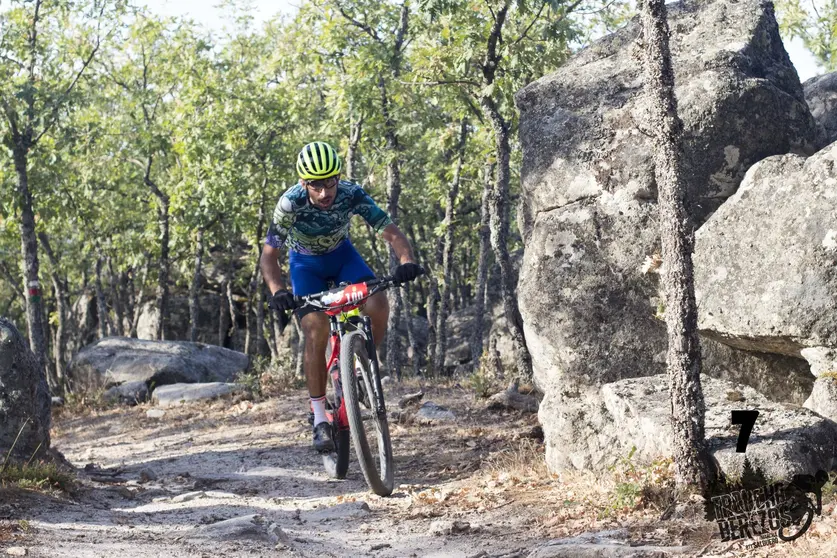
365,206
284,216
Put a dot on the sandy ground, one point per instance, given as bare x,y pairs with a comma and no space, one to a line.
474,487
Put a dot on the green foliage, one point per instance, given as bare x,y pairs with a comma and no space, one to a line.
484,379
214,123
815,23
636,485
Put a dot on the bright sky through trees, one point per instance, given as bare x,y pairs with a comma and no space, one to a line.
213,18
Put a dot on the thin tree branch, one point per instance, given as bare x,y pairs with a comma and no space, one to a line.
13,283
53,118
362,26
531,23
33,46
441,82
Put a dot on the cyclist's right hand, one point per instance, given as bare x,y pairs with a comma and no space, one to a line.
282,301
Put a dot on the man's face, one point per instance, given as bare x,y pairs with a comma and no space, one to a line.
322,192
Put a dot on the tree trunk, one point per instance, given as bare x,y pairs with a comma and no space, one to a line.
163,272
162,301
249,311
447,255
352,153
433,300
300,351
194,288
482,270
31,267
223,313
498,203
393,358
101,304
119,327
231,301
270,339
62,306
139,296
261,299
693,467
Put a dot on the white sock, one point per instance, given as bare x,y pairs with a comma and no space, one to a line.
318,406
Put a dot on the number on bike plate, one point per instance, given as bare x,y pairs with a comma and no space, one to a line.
746,419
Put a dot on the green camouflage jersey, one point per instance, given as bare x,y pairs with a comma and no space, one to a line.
307,229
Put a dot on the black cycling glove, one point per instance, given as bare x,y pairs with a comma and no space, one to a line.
282,301
407,272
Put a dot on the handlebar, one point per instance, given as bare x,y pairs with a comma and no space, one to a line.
374,285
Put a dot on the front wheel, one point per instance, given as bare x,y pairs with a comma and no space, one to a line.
356,370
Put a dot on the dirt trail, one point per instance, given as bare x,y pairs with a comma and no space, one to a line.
155,483
473,487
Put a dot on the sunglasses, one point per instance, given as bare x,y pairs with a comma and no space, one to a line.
320,185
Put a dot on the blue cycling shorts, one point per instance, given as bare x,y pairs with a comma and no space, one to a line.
310,273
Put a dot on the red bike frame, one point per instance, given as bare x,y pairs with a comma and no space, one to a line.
339,301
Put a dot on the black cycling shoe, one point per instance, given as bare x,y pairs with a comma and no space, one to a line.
323,441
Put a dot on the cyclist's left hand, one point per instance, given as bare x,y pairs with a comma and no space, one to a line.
407,272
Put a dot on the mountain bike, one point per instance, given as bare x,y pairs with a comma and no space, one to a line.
355,381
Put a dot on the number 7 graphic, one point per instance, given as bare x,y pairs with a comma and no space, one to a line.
746,419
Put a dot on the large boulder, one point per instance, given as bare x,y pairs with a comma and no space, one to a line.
588,206
766,261
786,439
118,360
821,95
24,397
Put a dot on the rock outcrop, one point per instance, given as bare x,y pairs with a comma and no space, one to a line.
117,360
766,266
588,211
24,397
821,95
785,440
766,261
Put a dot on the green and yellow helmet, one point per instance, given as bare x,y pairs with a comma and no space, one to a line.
318,160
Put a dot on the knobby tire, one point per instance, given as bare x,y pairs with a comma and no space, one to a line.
380,479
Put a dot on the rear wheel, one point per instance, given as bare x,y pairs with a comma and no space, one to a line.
356,370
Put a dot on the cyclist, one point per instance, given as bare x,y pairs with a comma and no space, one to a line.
312,220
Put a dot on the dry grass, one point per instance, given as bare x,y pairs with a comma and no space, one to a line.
40,475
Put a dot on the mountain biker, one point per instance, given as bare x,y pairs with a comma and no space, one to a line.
312,219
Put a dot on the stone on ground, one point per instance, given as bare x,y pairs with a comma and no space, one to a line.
431,412
118,360
176,394
129,393
25,402
252,527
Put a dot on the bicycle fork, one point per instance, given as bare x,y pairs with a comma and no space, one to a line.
372,353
